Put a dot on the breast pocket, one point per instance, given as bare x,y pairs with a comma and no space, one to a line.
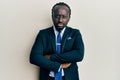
68,45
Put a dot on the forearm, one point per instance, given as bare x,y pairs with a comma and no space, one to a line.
41,61
68,57
63,65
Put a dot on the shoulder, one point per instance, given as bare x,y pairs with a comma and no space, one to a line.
46,30
74,30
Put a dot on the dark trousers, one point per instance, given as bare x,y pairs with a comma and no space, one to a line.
52,78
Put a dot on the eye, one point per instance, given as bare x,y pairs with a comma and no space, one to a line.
60,16
64,17
57,16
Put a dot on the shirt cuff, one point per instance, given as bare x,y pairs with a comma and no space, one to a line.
59,68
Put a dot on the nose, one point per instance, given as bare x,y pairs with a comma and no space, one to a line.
60,19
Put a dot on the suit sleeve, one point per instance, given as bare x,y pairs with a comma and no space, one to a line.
37,58
74,55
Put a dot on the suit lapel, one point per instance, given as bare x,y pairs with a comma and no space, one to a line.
52,38
65,35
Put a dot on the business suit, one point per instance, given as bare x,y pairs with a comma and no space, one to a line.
72,51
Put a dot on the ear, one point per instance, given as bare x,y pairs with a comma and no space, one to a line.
69,16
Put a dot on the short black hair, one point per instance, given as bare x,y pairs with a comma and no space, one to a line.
61,4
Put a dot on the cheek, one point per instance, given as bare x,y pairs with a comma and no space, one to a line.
55,20
66,21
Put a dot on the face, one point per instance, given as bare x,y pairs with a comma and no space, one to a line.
60,17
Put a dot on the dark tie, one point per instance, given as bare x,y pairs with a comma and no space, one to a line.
58,75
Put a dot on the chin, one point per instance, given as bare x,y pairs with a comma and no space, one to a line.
59,28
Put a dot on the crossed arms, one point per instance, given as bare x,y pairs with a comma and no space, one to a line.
54,62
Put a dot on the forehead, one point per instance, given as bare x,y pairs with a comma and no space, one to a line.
61,8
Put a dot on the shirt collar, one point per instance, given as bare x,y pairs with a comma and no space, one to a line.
56,32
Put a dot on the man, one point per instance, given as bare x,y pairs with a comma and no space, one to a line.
58,49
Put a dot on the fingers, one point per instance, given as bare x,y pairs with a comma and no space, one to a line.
65,65
47,56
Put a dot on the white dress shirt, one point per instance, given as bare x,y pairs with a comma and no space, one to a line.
61,34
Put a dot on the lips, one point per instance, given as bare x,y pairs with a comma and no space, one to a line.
60,24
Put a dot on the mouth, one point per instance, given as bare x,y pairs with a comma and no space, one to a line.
60,24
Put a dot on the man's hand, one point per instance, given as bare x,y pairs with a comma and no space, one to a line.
47,56
65,65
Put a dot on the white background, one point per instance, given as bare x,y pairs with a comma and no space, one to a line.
98,21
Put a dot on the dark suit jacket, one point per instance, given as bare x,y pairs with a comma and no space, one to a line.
72,52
